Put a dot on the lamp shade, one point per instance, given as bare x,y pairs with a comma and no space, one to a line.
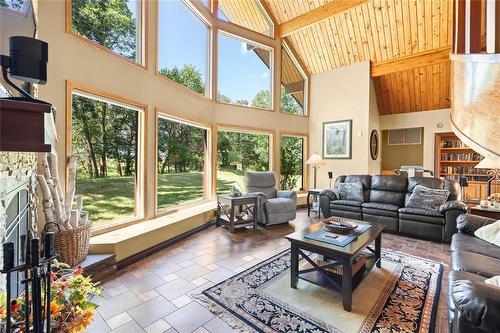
489,163
315,159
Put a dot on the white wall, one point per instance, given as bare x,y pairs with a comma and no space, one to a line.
429,120
374,166
341,94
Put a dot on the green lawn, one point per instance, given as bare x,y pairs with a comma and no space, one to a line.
112,198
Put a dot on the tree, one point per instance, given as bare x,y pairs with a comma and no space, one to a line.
291,162
189,76
262,100
108,22
13,4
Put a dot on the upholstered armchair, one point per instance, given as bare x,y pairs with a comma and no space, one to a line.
275,206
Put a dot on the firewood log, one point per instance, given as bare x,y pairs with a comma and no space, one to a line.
70,190
52,165
47,202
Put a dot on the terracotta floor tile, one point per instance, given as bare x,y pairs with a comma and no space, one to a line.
189,318
116,305
220,254
151,311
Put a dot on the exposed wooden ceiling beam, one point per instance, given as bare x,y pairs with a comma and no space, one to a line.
316,15
422,59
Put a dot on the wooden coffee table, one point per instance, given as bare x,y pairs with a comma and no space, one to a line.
343,255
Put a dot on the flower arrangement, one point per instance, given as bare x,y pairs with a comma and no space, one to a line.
494,197
71,309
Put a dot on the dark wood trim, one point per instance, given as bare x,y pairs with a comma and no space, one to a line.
158,247
475,26
460,33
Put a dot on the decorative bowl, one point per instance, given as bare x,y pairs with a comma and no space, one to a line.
339,225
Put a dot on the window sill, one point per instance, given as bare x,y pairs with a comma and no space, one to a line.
141,236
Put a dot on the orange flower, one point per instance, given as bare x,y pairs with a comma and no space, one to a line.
79,271
55,308
53,276
2,312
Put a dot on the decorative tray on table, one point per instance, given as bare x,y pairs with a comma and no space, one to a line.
340,225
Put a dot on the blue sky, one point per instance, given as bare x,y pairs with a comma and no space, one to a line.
183,40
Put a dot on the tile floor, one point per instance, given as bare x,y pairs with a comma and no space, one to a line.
155,294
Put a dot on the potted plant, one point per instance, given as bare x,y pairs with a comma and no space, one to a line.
71,308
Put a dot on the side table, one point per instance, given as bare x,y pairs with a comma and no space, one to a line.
240,211
491,212
314,193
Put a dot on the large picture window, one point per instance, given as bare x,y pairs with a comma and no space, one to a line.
106,137
239,152
183,46
292,168
115,25
293,84
244,73
182,160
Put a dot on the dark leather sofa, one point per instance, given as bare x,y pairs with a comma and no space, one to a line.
473,305
384,202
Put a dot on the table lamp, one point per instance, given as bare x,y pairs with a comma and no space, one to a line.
315,160
493,167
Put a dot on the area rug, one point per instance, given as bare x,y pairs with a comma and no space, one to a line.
401,296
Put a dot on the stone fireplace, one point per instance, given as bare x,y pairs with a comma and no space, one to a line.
17,204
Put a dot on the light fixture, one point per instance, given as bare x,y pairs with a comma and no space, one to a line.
315,160
493,167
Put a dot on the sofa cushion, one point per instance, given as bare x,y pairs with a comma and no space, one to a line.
489,233
382,206
421,215
475,263
348,205
280,205
388,189
351,191
463,242
352,203
420,211
365,180
425,197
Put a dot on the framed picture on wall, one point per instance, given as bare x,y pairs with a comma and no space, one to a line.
337,139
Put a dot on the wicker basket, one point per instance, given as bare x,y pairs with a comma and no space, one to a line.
72,245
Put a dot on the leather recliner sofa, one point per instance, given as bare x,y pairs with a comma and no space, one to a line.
384,202
473,305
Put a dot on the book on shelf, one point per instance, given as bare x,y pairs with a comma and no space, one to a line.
461,157
452,144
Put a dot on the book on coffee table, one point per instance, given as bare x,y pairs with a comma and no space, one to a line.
357,263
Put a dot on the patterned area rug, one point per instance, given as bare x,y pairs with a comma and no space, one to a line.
401,296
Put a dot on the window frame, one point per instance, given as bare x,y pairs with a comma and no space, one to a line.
140,195
285,47
143,47
240,129
195,10
207,163
272,66
305,166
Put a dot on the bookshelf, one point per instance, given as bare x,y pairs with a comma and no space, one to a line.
454,159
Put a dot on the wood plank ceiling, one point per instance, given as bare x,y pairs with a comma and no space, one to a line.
380,31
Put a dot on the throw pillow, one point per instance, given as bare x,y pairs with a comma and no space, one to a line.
427,198
351,191
489,233
494,281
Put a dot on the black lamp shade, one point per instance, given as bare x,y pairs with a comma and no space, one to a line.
28,59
